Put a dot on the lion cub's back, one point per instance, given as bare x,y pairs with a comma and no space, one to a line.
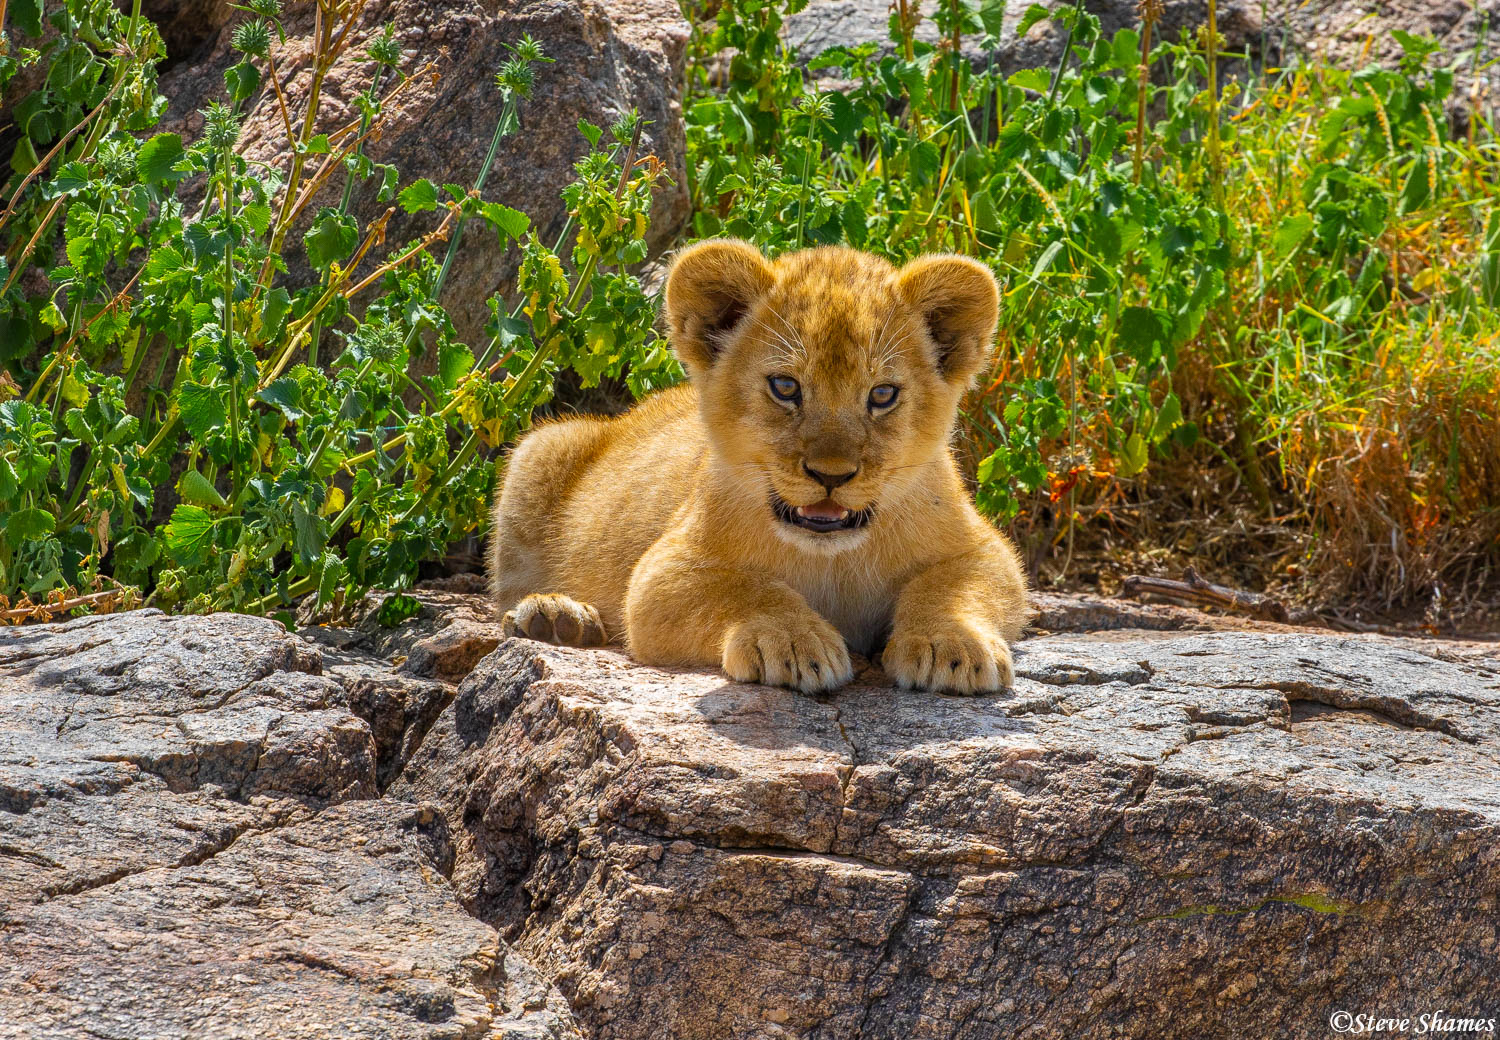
583,499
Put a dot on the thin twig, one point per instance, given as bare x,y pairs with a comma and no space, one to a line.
1195,591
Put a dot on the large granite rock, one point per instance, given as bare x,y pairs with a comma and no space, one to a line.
1170,828
191,847
1166,834
1273,31
610,56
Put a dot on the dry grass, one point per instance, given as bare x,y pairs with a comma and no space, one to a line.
1358,418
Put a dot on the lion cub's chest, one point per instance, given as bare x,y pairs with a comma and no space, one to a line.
858,605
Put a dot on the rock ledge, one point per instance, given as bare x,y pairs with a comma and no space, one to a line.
1167,834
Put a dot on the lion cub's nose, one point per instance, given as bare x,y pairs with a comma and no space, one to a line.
830,480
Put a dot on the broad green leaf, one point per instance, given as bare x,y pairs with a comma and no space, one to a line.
1417,191
925,158
510,222
331,238
9,484
330,575
201,407
986,216
242,80
258,216
1133,458
208,240
389,178
1035,13
24,159
591,132
992,16
27,15
273,313
1037,80
1489,262
454,362
1044,261
418,197
1290,234
194,487
854,222
398,608
164,261
310,533
284,394
26,524
156,158
188,534
1126,48
78,426
1168,418
70,180
1143,333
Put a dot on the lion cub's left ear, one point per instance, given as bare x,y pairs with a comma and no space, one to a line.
960,303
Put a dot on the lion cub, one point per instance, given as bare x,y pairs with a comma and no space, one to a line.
795,500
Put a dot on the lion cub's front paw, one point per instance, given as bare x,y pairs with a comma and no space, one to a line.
951,657
805,653
555,619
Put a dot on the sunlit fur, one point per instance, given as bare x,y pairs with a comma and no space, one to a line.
662,518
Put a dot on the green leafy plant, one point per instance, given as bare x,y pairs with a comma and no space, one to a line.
1206,282
1267,301
172,432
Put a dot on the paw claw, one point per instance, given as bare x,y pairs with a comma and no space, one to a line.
806,654
955,657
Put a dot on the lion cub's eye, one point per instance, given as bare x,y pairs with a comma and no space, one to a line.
785,388
883,396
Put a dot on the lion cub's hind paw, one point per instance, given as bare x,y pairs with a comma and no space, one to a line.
555,619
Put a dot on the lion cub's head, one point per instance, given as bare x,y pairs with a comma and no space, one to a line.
828,378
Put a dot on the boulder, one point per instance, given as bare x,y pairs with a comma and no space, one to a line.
609,57
1157,833
192,846
1175,825
1273,32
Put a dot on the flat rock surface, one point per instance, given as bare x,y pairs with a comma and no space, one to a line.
193,845
1173,834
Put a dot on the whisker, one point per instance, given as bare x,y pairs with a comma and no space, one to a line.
779,337
796,334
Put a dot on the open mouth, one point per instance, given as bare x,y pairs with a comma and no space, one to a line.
821,517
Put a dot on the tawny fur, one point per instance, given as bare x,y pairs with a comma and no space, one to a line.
656,528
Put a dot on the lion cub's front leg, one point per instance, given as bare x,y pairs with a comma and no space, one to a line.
756,628
953,623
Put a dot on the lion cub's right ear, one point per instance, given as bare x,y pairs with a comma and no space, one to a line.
711,288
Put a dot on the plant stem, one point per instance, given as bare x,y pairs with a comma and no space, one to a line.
956,57
322,62
1215,160
1142,87
504,127
344,200
1062,59
812,143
